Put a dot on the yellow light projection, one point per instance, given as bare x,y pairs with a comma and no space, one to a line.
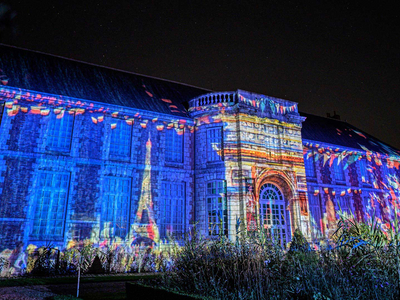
146,228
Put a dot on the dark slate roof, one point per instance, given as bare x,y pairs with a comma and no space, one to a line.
55,75
341,133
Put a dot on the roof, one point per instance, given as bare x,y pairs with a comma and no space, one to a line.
336,132
45,73
60,76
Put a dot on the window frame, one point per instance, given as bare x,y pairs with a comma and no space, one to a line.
315,208
310,162
217,208
212,155
175,218
348,205
170,146
338,170
363,167
273,210
50,137
116,212
112,145
51,191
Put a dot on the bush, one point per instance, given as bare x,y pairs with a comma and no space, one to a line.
360,263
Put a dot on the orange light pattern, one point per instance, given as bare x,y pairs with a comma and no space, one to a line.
268,148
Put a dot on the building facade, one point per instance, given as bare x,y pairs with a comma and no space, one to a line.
348,170
118,158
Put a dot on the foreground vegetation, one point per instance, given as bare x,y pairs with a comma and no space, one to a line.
84,256
361,261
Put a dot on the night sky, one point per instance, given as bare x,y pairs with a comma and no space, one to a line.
343,57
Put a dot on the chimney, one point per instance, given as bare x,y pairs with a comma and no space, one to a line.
335,116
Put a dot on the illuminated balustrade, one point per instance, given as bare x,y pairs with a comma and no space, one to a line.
213,99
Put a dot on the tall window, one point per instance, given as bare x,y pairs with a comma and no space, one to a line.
339,172
272,213
172,209
115,208
1,111
386,172
345,205
315,217
368,211
214,144
217,208
51,200
59,136
366,176
120,144
310,167
174,146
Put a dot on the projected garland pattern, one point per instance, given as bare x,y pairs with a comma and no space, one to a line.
74,170
112,168
368,187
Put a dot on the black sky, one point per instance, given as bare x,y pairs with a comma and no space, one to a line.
343,57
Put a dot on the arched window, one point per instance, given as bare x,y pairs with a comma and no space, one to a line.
273,215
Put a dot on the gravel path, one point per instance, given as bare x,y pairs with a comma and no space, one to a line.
25,292
45,291
91,290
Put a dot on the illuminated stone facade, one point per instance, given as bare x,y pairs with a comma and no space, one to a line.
259,143
361,178
98,177
116,158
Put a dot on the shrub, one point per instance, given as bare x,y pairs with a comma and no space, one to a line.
44,261
359,263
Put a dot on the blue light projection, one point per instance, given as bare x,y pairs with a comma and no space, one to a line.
51,196
88,173
74,170
115,207
368,187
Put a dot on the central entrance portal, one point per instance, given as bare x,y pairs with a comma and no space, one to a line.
273,215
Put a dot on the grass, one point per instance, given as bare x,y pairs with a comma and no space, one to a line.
23,281
65,297
117,295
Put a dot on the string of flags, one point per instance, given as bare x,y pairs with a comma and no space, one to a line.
329,154
62,105
340,192
264,103
13,108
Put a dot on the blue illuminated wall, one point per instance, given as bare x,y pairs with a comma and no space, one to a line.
348,169
118,158
73,170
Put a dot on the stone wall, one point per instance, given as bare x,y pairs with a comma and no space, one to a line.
84,163
256,147
370,187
